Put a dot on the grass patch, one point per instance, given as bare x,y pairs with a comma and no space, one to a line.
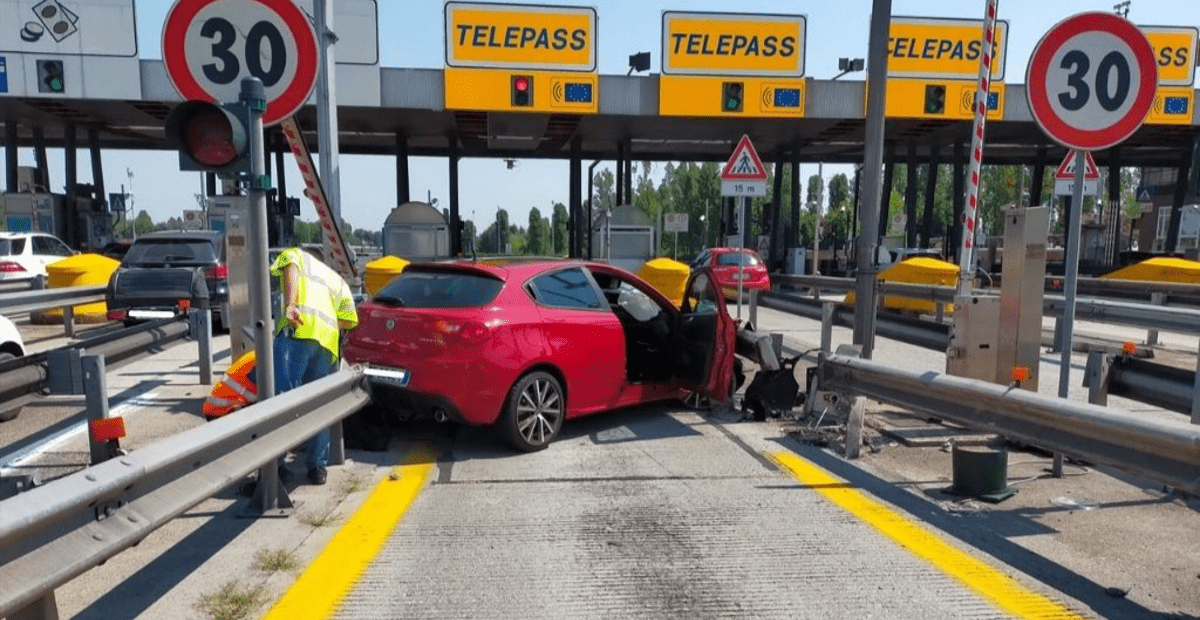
232,602
277,560
354,484
314,520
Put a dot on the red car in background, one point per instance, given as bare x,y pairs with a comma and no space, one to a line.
524,344
725,262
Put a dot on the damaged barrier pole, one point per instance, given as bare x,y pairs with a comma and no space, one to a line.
104,432
201,325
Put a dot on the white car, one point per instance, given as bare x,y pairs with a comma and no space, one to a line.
24,256
11,345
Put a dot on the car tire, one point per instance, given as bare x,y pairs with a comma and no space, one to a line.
534,412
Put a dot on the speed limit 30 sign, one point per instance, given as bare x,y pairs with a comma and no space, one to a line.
208,46
1091,81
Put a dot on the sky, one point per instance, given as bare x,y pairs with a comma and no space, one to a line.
411,36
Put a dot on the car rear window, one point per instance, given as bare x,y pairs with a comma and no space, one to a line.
439,289
746,259
9,247
151,252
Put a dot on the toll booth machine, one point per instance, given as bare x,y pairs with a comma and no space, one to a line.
80,220
416,232
625,237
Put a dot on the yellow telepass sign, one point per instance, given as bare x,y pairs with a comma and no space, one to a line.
520,36
932,47
907,99
755,97
733,44
1175,53
491,90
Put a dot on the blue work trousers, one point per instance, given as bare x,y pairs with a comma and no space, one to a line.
299,361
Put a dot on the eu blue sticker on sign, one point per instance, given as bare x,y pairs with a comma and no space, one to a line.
3,75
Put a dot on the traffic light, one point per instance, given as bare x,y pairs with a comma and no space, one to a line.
50,77
211,137
935,98
522,91
731,96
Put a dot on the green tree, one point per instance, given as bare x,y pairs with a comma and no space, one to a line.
142,224
604,195
560,230
538,235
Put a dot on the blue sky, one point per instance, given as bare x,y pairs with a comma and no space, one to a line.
411,36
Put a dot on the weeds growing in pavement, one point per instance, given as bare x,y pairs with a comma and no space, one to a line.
277,560
233,602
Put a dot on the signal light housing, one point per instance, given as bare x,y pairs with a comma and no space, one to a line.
522,91
935,98
51,78
732,94
211,137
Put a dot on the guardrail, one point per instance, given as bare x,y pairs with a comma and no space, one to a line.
1161,451
55,532
38,300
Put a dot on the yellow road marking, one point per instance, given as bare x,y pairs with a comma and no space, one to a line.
318,592
991,584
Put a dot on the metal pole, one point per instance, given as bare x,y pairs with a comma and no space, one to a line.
744,224
864,311
966,258
327,116
1069,288
590,221
96,396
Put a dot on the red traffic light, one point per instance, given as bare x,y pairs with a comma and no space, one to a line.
521,83
210,137
522,91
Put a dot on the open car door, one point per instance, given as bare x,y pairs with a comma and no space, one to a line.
705,339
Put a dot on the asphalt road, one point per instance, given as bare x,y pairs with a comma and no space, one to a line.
661,513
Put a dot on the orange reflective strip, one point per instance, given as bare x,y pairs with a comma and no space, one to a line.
107,429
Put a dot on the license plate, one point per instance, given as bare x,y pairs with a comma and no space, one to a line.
151,314
388,376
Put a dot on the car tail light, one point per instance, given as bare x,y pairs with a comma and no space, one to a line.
214,273
465,330
11,267
117,315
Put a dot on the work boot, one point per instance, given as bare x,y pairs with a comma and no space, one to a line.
317,475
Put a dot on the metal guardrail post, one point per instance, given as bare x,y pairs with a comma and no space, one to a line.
753,308
337,445
827,309
67,377
96,397
69,321
200,322
43,608
1095,377
1157,299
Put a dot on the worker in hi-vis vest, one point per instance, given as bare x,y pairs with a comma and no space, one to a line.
317,306
235,390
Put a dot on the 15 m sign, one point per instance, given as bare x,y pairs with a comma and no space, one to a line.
210,45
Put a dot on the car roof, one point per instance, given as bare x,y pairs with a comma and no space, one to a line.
11,235
505,268
207,235
733,250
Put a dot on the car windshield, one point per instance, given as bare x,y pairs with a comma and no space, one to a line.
149,252
745,258
439,289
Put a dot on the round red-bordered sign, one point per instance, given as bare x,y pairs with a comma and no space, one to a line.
1091,81
208,46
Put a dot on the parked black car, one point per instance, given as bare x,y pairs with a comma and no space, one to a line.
162,268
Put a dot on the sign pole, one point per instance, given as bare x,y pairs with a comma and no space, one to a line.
1069,289
966,258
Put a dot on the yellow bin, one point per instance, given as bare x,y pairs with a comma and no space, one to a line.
381,271
78,270
668,276
918,270
1159,269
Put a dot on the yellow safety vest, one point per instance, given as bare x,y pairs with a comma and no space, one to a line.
324,298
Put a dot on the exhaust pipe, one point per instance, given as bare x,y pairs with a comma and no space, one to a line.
439,415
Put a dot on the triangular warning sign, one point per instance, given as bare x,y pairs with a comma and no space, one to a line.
744,164
1144,195
1066,170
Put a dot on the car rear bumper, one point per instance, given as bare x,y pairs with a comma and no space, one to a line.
462,389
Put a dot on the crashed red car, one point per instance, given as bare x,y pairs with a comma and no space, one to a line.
724,263
524,344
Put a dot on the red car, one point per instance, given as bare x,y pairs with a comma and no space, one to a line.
523,344
724,264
